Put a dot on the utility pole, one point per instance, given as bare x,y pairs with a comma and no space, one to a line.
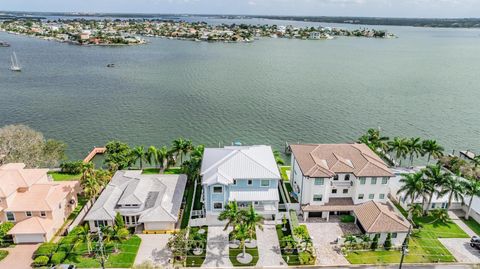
405,246
100,242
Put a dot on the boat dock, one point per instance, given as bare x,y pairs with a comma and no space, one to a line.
94,152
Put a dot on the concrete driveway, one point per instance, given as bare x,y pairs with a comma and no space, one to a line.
461,250
217,248
19,257
269,247
323,235
154,248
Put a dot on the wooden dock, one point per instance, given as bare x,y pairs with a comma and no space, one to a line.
94,152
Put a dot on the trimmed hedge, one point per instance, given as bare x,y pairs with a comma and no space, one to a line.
58,257
40,261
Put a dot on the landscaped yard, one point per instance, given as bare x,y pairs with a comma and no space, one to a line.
173,170
289,191
188,195
81,203
150,171
233,252
475,226
424,246
289,255
3,254
284,171
197,203
198,240
58,176
169,171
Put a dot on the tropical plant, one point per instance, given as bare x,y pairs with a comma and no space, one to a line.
73,168
388,242
440,215
118,155
289,243
119,220
366,240
472,189
181,147
84,235
91,187
40,261
415,210
151,156
375,141
4,228
178,244
162,157
454,188
241,233
399,146
434,178
412,186
252,220
414,148
350,240
432,149
476,161
284,222
231,214
278,157
374,244
138,154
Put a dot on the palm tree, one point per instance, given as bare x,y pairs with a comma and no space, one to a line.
252,220
181,147
278,157
151,156
162,157
414,148
241,233
415,210
88,169
139,154
439,215
84,235
434,178
90,187
412,186
399,146
472,189
454,188
374,140
231,214
432,149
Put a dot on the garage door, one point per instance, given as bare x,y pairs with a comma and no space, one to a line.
159,226
315,214
29,238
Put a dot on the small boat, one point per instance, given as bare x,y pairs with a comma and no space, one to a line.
15,66
111,65
4,44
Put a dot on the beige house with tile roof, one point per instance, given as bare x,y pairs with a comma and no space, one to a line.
333,178
34,202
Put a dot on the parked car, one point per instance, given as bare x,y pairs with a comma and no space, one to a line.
64,266
475,242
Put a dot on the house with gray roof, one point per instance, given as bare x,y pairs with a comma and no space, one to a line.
246,174
147,201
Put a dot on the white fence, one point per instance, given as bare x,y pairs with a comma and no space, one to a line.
80,216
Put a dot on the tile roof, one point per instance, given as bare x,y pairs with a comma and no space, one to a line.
14,176
222,165
377,217
326,160
33,225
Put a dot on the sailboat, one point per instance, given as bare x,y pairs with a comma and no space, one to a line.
15,66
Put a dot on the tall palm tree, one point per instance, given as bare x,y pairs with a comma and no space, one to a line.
414,148
415,210
472,189
454,188
177,147
399,146
151,156
231,214
241,233
88,169
434,178
91,187
253,220
84,235
138,153
412,186
375,141
432,149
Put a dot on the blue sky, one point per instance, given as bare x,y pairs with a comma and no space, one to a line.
379,8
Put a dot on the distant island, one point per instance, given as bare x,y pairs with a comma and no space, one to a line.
131,31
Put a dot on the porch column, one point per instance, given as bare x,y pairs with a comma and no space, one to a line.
328,215
305,216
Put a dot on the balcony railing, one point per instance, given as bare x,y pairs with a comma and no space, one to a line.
341,183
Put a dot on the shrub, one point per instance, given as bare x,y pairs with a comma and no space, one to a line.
347,218
58,257
45,249
374,244
301,232
388,242
306,258
40,261
74,167
5,239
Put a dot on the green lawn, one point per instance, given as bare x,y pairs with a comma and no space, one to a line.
475,226
192,259
58,176
424,246
197,203
173,170
188,205
150,171
3,254
284,170
235,251
293,257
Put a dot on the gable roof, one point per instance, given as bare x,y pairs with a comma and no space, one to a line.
14,176
159,196
32,225
223,165
376,217
326,160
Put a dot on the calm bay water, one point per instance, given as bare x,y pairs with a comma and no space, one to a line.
425,83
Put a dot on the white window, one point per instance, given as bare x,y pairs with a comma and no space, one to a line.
249,182
374,180
345,191
10,216
381,196
371,196
319,181
28,213
394,235
362,181
360,196
217,189
265,183
384,180
334,190
100,223
217,206
317,197
43,214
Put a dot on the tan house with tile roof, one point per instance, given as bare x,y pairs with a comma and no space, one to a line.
333,178
37,205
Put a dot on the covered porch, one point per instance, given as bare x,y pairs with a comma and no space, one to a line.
265,202
335,206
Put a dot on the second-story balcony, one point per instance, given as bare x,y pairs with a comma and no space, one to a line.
343,183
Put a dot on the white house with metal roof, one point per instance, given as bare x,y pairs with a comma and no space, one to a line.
245,174
148,201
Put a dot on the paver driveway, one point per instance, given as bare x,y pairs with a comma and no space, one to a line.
217,248
269,247
323,235
461,249
19,257
154,248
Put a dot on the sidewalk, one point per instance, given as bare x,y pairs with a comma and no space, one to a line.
455,217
